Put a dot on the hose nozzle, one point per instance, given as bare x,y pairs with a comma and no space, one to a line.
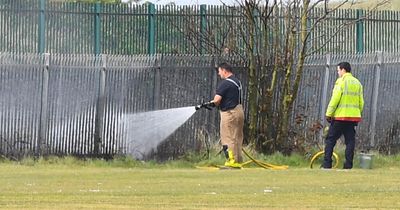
208,105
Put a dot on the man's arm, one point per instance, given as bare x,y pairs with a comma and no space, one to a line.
217,100
213,103
336,95
361,100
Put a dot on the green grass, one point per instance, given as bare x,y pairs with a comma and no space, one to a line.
123,183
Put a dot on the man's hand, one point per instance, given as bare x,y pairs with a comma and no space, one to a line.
208,105
329,119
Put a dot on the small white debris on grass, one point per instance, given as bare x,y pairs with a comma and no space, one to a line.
94,190
267,191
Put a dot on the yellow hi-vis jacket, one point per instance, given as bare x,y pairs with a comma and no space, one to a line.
347,101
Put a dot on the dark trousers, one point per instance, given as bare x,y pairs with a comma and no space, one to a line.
337,129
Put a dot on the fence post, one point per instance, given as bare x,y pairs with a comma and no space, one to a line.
97,28
43,105
309,26
375,94
99,121
203,27
151,28
359,32
325,90
257,41
214,84
157,82
41,26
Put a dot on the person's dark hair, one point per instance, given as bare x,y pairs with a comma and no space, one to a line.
225,66
345,65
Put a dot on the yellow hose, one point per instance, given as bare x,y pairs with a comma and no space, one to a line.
272,166
320,153
262,164
252,160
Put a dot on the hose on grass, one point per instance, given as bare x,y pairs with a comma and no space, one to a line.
252,160
319,154
272,166
262,164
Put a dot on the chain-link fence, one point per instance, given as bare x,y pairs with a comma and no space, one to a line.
39,26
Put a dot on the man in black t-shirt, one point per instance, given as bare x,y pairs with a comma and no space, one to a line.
228,99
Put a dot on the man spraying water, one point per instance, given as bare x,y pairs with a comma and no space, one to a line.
228,99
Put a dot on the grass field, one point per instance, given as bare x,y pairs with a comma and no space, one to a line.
102,186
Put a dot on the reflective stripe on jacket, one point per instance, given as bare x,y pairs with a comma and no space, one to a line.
347,101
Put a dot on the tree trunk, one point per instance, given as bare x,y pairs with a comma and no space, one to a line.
281,138
253,84
289,98
268,128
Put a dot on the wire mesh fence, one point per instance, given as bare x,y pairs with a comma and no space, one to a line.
40,26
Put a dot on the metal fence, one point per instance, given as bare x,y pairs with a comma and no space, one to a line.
39,26
379,73
74,104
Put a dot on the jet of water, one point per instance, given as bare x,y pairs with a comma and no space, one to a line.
145,131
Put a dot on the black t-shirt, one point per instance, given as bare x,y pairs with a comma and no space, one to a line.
229,93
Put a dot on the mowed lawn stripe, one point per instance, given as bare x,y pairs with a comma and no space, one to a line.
66,187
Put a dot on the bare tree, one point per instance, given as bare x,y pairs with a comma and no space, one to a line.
275,37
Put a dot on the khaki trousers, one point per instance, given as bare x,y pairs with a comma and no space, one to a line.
231,130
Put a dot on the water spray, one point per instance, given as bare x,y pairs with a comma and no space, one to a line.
146,130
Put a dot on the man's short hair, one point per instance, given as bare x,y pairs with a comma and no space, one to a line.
225,66
345,65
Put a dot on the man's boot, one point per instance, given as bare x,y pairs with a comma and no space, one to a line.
230,162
